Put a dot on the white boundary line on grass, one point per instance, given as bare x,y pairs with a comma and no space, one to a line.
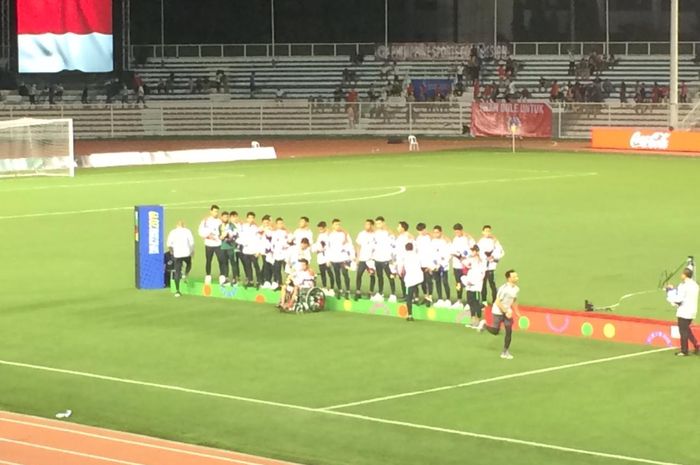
205,202
494,379
364,417
147,445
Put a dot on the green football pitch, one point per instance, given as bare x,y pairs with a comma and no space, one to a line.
74,333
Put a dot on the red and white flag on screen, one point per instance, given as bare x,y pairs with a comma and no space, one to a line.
57,35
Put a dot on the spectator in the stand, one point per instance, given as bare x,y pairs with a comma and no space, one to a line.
59,92
495,91
279,95
372,94
252,84
477,89
224,83
124,94
554,91
52,94
190,85
512,93
473,52
460,73
170,83
162,87
481,54
84,95
683,96
655,93
640,94
572,63
140,95
623,92
32,94
511,67
501,72
607,88
542,84
525,94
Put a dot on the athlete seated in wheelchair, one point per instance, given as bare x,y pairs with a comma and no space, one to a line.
300,293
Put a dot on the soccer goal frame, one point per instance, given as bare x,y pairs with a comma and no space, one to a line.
37,147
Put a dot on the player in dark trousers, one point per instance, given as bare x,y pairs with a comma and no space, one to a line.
321,249
229,246
410,270
685,299
506,303
209,231
180,244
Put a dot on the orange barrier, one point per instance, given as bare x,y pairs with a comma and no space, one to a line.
645,140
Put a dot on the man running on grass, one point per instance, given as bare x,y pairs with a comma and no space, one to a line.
504,306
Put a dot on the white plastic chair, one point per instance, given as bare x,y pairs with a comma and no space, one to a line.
255,144
413,143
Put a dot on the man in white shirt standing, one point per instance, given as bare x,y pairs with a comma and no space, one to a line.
472,280
209,230
339,244
493,251
250,248
181,244
280,244
303,231
423,247
365,244
412,274
441,257
382,255
321,249
506,303
685,299
461,250
403,237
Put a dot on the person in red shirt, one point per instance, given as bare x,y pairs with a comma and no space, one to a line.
554,92
501,72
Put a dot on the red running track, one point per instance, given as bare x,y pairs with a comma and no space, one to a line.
27,440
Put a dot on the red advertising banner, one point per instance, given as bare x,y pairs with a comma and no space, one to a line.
501,119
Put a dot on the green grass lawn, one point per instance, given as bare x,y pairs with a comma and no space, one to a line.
575,226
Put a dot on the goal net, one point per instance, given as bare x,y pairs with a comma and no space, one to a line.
35,147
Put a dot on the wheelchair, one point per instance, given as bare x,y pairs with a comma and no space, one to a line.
310,299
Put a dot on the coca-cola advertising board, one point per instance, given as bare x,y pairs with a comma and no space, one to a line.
504,119
645,140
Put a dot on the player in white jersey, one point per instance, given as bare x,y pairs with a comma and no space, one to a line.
382,255
424,249
320,247
365,244
302,278
472,279
461,245
266,231
250,249
303,231
412,274
339,248
442,253
181,245
493,251
403,237
280,244
297,253
506,303
209,231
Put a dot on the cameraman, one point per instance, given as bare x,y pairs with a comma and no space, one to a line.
685,299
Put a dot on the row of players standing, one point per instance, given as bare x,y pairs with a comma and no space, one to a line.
268,249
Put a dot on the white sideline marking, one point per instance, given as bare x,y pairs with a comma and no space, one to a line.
224,458
400,191
293,194
69,452
5,462
118,183
357,416
497,378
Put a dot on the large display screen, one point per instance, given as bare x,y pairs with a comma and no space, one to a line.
58,35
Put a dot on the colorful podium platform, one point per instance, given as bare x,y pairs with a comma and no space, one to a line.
588,325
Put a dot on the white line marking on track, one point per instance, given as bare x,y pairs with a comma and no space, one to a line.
69,452
143,443
5,462
361,417
494,379
204,202
140,443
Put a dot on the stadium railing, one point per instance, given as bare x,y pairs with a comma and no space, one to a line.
256,117
367,48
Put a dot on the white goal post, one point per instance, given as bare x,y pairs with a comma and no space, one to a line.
36,147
